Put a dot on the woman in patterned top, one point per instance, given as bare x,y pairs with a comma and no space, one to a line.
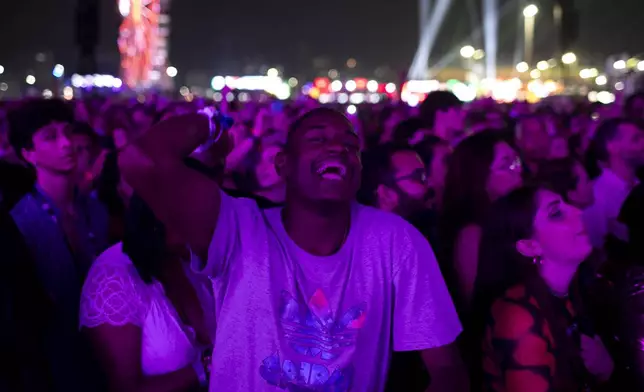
533,339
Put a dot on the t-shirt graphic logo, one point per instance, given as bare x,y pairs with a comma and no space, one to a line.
313,332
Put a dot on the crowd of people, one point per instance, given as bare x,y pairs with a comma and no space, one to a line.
288,246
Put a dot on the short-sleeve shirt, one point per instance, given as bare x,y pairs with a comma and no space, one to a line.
115,294
519,351
288,320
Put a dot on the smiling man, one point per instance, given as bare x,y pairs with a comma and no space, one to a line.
313,296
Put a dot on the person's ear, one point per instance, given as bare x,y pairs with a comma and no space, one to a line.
387,199
281,163
29,156
529,248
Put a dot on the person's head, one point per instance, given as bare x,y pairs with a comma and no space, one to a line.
84,143
435,153
532,237
321,160
143,117
257,171
265,171
618,140
483,166
398,180
534,225
634,107
568,178
443,110
532,137
558,148
389,119
409,132
41,133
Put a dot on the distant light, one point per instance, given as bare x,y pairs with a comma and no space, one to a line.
117,83
184,90
351,109
352,63
293,82
530,11
40,57
273,72
619,65
343,98
619,86
413,100
336,86
58,71
218,83
374,98
30,79
390,88
605,97
217,97
281,91
68,93
601,80
522,67
77,80
478,54
333,73
230,96
47,93
640,66
542,65
350,85
4,86
1,69
467,52
464,92
171,72
372,86
535,74
356,98
124,7
569,58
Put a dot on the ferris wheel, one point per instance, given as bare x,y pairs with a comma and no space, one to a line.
142,41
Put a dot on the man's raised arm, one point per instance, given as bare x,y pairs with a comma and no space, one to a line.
186,201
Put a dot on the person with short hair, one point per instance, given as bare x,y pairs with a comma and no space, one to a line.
313,295
63,229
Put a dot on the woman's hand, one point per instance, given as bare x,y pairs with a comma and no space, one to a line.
596,358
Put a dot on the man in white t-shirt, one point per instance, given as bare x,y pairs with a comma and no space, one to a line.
314,296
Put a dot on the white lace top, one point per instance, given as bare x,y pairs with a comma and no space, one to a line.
115,294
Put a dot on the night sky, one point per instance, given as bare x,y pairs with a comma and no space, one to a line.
224,36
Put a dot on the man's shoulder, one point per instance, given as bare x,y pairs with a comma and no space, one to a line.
24,210
383,221
387,226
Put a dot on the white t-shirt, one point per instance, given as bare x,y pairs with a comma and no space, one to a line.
287,320
115,294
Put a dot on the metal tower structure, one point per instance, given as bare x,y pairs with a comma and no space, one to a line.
87,36
143,42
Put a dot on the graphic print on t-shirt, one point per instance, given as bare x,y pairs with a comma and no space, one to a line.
317,338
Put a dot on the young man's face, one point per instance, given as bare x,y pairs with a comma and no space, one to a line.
52,149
